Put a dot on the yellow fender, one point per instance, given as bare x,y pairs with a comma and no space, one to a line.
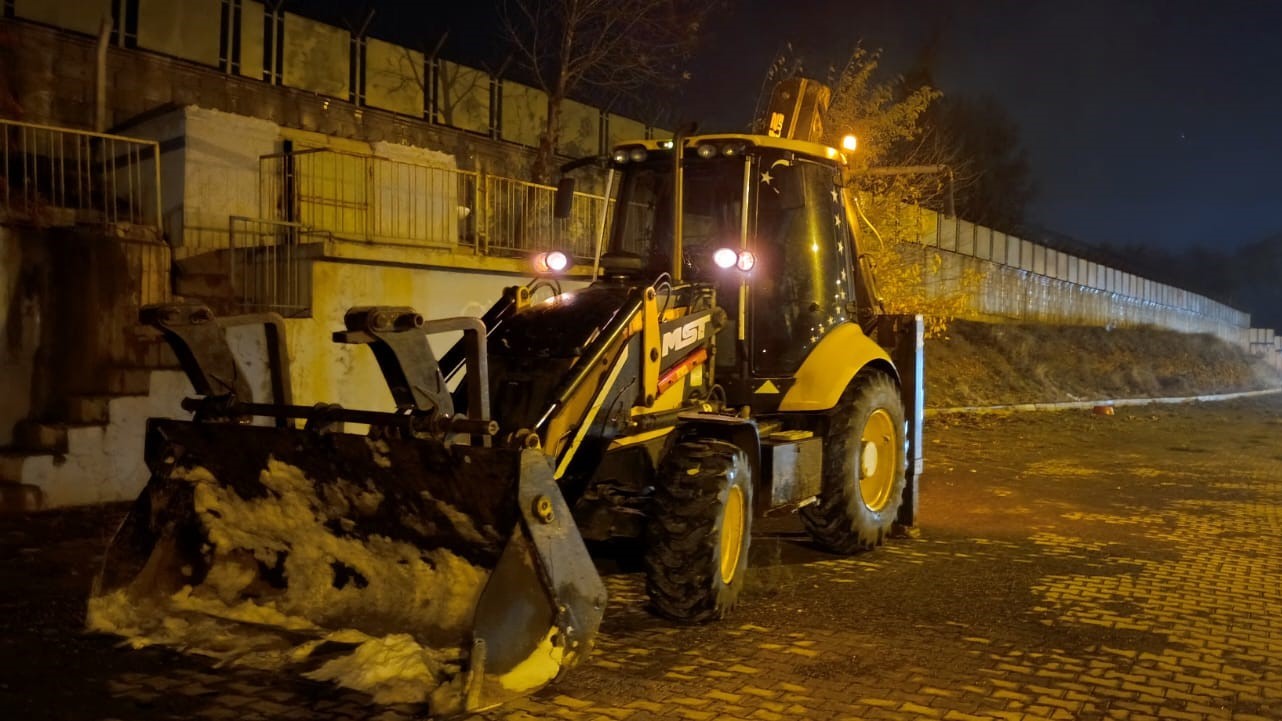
830,367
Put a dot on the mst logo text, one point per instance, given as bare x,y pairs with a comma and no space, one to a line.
686,334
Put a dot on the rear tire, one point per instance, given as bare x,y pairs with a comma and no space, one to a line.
863,467
697,537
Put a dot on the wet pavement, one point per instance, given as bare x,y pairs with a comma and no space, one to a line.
1067,566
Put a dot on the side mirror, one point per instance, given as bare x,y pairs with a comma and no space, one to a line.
564,198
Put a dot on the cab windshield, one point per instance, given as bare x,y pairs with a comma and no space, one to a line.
712,217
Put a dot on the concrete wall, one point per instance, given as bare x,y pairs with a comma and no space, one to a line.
21,289
251,39
580,130
1266,344
209,171
181,29
221,177
82,16
463,97
316,57
394,78
69,300
328,372
1031,282
525,112
623,129
174,65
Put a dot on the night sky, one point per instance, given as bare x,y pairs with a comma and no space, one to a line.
1156,123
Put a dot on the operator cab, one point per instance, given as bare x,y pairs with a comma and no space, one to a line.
779,200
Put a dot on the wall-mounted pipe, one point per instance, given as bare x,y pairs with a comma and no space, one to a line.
100,81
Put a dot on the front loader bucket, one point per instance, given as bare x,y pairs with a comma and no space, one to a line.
416,571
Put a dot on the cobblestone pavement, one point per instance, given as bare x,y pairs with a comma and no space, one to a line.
1067,566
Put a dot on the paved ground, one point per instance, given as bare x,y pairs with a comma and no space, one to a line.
1068,566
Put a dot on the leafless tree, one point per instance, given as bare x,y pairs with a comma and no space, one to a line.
598,47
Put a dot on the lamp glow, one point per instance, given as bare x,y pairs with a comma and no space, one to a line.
552,261
849,143
725,257
744,260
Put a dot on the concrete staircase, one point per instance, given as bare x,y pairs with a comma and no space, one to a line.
94,452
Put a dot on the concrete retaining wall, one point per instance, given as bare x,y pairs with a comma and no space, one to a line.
1007,278
343,76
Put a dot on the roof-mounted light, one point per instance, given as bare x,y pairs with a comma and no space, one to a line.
620,155
849,143
637,155
706,150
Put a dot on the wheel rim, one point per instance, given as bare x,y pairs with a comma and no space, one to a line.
877,459
732,533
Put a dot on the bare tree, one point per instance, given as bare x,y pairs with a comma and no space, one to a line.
598,47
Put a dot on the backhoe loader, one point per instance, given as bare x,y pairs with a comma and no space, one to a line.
728,360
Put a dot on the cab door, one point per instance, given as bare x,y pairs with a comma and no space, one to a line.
802,286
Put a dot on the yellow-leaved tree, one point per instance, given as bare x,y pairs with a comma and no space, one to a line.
896,173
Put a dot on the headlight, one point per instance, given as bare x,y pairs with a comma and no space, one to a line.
552,261
725,257
744,260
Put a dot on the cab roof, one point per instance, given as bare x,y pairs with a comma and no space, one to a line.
814,150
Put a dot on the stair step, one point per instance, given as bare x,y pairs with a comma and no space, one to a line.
20,497
11,462
122,381
149,349
36,437
158,355
88,409
31,435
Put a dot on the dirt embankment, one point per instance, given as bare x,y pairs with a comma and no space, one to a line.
980,364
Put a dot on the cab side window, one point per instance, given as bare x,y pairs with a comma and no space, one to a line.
801,286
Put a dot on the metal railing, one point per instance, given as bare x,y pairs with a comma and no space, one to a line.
379,200
47,173
516,217
371,199
268,267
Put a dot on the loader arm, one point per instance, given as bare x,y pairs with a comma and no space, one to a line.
595,364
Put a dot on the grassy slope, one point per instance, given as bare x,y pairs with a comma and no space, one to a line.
989,364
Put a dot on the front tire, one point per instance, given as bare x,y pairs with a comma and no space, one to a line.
863,467
698,534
